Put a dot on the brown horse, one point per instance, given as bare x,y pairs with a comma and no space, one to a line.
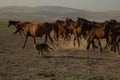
76,29
111,25
102,31
64,32
55,27
97,33
86,26
114,39
60,30
89,28
35,30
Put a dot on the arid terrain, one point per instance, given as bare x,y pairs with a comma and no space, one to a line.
65,63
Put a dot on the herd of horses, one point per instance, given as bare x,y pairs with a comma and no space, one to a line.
92,31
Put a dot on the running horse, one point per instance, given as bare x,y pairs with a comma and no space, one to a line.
35,30
97,33
114,39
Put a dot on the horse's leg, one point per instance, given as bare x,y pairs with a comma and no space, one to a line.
56,34
88,45
46,38
75,37
100,45
118,47
93,45
20,33
34,40
57,37
107,44
74,41
25,41
69,37
115,46
42,53
78,41
38,52
51,40
112,46
64,36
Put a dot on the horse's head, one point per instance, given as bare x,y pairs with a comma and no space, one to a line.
78,22
68,22
14,23
59,21
9,23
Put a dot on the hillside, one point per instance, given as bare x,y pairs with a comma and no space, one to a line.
50,13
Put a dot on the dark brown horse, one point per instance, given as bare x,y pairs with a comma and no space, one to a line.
114,39
35,30
111,25
97,33
86,26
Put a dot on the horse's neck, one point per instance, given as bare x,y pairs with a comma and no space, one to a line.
25,26
102,26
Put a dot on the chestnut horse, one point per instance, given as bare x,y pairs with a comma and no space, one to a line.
35,30
60,30
76,30
64,32
56,25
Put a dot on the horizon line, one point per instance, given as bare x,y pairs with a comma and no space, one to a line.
57,6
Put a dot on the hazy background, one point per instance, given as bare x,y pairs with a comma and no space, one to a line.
92,5
51,10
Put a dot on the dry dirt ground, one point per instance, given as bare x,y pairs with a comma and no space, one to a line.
65,63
